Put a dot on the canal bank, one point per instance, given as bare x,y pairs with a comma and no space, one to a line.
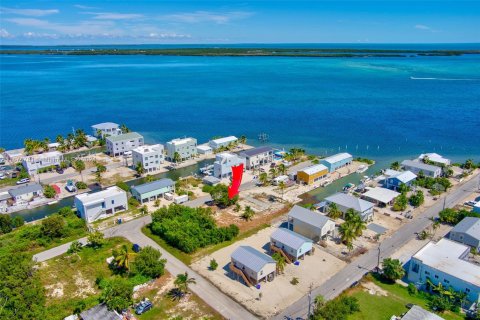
46,210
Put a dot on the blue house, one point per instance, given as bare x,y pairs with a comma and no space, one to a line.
397,179
337,161
291,243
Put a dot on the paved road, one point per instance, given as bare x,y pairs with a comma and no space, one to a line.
200,201
355,271
223,304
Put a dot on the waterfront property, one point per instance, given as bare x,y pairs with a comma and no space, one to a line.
346,201
42,160
417,167
467,232
211,181
153,190
257,156
204,149
396,178
26,193
290,244
222,142
435,158
222,167
101,204
186,148
4,198
444,262
310,224
380,196
337,161
14,155
252,265
150,157
312,174
118,145
106,129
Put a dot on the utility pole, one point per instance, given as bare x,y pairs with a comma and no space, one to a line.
378,258
309,300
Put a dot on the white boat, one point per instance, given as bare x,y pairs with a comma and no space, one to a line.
326,183
362,168
52,202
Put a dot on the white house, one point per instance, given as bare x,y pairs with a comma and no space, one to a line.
435,158
252,265
26,193
222,167
257,156
42,160
294,245
345,201
382,196
106,129
101,204
222,142
151,157
417,166
310,224
204,149
444,262
118,145
185,147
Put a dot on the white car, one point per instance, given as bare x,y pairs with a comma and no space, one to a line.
471,203
24,180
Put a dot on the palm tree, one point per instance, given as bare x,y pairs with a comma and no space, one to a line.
282,186
333,211
79,166
248,213
176,157
280,260
263,178
122,258
124,128
144,209
395,165
183,281
273,172
80,138
139,168
347,234
44,144
282,169
98,174
243,139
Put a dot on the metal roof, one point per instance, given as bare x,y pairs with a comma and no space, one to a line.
179,141
211,179
314,169
381,194
256,151
377,228
25,189
420,165
351,202
445,257
289,238
251,258
99,312
470,226
337,157
404,176
88,198
105,125
126,136
418,313
154,185
435,157
225,139
5,196
307,216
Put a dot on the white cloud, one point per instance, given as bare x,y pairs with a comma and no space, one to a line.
423,27
207,16
114,15
79,6
30,12
4,34
155,35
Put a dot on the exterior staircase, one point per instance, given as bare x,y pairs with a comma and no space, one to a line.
240,273
276,249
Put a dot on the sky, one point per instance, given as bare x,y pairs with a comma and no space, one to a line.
48,22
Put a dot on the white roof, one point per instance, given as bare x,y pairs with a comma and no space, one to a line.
445,257
147,149
337,157
45,155
391,172
88,198
312,218
381,194
54,145
225,139
227,155
105,125
405,176
418,313
314,169
289,238
182,141
435,157
349,201
15,152
204,148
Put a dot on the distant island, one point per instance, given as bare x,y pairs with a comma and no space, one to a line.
247,52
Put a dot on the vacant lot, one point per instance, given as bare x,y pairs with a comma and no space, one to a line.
279,293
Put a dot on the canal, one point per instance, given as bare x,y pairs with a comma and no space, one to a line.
43,211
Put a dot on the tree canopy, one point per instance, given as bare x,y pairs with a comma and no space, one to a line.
148,263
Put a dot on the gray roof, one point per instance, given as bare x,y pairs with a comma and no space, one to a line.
99,312
470,226
126,136
255,151
308,216
5,196
211,179
289,238
351,202
105,125
419,165
251,258
405,176
418,313
154,185
25,189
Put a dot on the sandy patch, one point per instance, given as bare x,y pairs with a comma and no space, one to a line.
85,287
373,289
55,290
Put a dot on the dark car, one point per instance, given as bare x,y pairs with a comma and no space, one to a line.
136,248
59,170
143,307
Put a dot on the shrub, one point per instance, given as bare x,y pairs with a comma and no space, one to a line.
412,290
294,281
122,185
133,202
49,191
213,264
148,263
81,185
53,226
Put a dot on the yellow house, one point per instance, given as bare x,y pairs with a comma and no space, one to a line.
312,174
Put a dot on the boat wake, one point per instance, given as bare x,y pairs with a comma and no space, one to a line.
444,79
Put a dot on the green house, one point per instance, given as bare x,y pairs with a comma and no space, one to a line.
152,190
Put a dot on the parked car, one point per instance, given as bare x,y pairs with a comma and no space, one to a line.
471,203
24,180
143,307
2,176
59,170
136,248
14,175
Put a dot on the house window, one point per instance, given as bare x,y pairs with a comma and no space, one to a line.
436,277
446,281
467,290
427,273
261,273
113,201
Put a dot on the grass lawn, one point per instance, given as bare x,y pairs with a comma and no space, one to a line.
383,307
189,258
